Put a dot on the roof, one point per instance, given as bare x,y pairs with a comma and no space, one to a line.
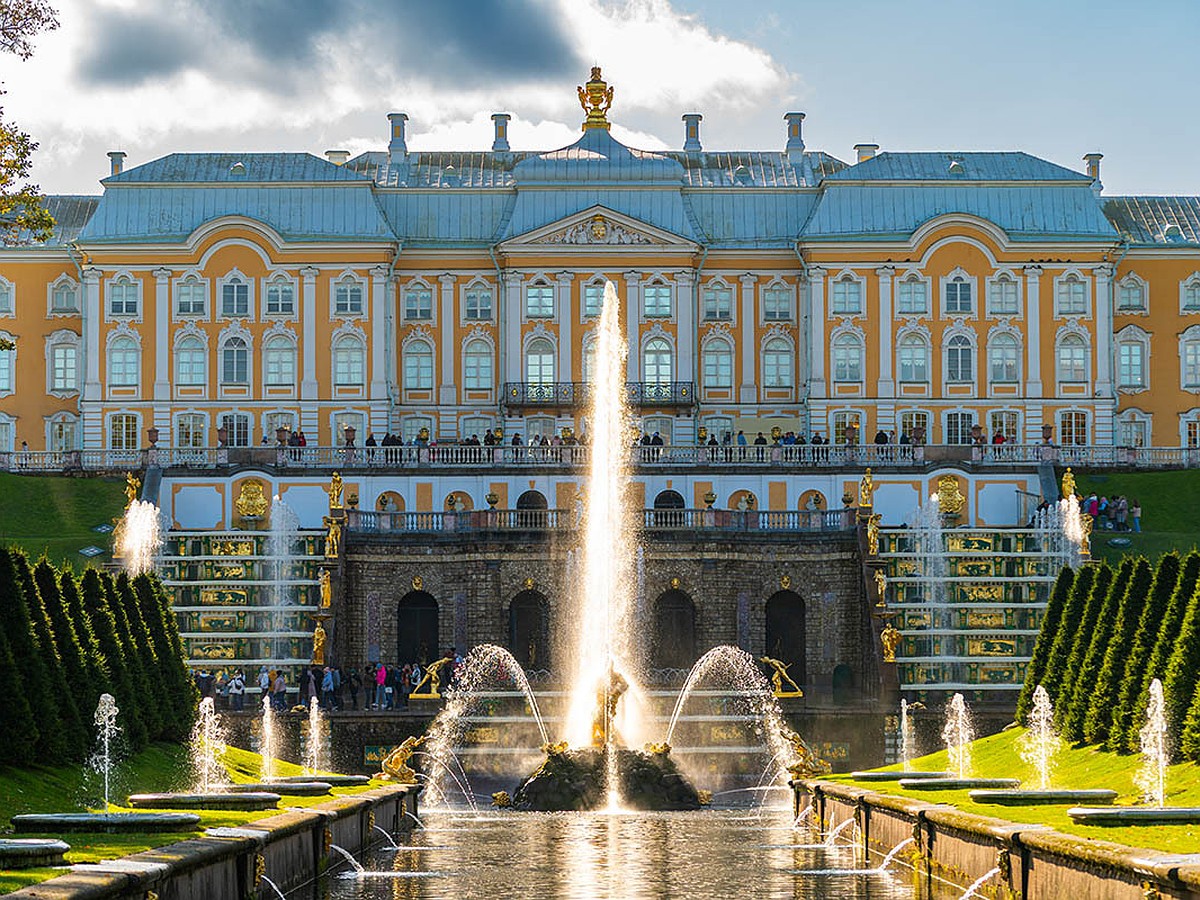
597,158
1006,166
1153,220
218,168
70,211
747,217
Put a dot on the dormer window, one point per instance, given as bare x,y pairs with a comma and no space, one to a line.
1173,234
237,170
741,175
450,177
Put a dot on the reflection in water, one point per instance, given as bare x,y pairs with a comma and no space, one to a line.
642,856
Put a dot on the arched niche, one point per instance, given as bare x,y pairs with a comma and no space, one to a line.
529,629
786,638
417,621
673,640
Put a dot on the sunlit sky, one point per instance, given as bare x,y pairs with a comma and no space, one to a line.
1056,78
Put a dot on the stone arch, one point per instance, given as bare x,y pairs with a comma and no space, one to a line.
786,633
532,500
812,500
417,623
390,501
529,629
736,498
459,501
673,641
669,499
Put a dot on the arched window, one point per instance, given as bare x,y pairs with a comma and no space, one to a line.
914,359
1189,358
418,366
539,362
349,362
589,361
1072,359
7,373
657,362
64,298
960,360
847,358
673,641
191,362
717,357
279,362
417,628
235,361
235,297
477,365
1004,359
529,629
63,358
123,362
777,364
786,633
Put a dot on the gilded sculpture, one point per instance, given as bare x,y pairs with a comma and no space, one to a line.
326,589
807,763
335,492
319,638
608,694
394,766
333,538
866,490
890,638
252,502
1085,535
133,487
433,678
873,534
596,99
881,587
779,675
1068,483
949,496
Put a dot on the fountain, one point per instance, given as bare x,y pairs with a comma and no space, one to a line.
138,537
315,755
958,734
908,751
280,546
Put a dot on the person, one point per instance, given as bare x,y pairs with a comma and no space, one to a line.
1135,513
371,445
279,692
759,443
237,691
741,442
517,444
327,689
264,681
380,685
881,436
355,682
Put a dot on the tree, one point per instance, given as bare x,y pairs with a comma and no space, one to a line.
179,708
1075,626
1095,640
65,639
95,592
1103,695
1167,630
1189,743
1183,669
148,677
1051,619
19,746
97,670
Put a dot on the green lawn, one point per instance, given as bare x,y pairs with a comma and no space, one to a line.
998,756
55,515
1169,503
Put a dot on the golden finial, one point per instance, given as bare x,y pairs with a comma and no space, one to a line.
596,98
1068,483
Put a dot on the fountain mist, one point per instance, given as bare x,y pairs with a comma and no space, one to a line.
107,733
138,537
958,735
1156,751
281,547
207,746
1041,743
315,758
268,749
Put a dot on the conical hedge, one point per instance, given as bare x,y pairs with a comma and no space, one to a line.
147,670
21,737
99,599
1098,718
1183,669
1081,641
1055,671
179,689
75,668
97,669
1051,619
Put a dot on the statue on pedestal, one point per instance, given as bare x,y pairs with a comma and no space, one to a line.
326,589
394,766
779,676
335,492
319,638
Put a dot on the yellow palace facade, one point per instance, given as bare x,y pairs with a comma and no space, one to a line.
936,297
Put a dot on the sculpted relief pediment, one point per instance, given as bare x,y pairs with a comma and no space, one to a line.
598,228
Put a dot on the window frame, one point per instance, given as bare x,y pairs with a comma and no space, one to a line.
909,281
716,302
272,286
341,307
190,344
1064,295
226,348
958,283
1075,342
840,346
663,351
546,360
662,306
417,303
56,347
472,309
842,285
478,367
127,426
349,359
192,282
778,303
279,357
417,375
128,363
127,285
960,348
997,286
241,307
911,341
56,287
545,305
1011,347
709,350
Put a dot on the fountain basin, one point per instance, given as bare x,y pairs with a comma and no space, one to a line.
334,780
958,784
896,776
287,788
575,780
26,853
105,822
248,800
1136,815
1043,798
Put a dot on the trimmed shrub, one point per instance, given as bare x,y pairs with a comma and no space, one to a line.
1096,641
66,641
179,707
1183,669
96,590
1189,743
147,677
1079,638
21,736
97,669
1051,619
1056,663
1102,696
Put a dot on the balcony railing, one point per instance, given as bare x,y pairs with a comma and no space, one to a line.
566,394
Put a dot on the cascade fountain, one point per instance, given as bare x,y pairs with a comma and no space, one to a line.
138,537
268,748
931,555
207,746
908,751
316,737
958,733
281,554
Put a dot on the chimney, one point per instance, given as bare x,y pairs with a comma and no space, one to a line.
397,148
691,132
795,139
500,138
338,157
865,151
117,160
1093,164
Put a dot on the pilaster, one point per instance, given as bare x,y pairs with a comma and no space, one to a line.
748,389
816,332
684,291
91,422
562,293
1033,331
309,392
509,310
447,385
1104,332
633,320
887,385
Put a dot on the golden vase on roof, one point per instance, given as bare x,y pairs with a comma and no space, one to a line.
596,98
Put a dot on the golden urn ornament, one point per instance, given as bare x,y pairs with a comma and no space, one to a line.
596,98
252,501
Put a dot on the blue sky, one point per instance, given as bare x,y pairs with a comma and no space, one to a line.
1056,79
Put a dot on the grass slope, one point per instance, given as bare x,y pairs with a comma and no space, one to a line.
998,756
1169,501
55,515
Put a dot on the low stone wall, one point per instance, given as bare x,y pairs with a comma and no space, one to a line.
291,848
1034,861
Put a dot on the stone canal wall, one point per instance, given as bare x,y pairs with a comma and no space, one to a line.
291,848
1034,862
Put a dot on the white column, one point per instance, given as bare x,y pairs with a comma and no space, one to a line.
565,323
633,320
309,391
447,388
510,316
748,391
162,354
378,415
1104,331
887,384
1033,355
684,300
91,422
816,331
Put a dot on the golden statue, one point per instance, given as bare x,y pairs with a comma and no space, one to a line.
890,638
252,502
807,763
1068,484
133,487
880,587
596,98
866,489
326,589
873,534
433,678
1085,544
558,748
779,676
949,496
704,797
501,800
394,766
608,694
335,492
656,749
333,539
319,638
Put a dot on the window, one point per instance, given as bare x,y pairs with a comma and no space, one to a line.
190,432
958,427
349,362
960,360
1004,359
124,432
1131,296
190,298
418,366
1002,296
190,362
64,434
777,364
1131,364
64,298
412,425
1072,359
477,304
1132,431
539,362
1072,296
847,358
235,361
1191,295
281,297
1190,358
8,433
345,420
593,300
845,424
717,358
914,359
656,299
418,304
123,297
847,296
348,299
235,298
7,358
718,304
237,429
912,297
64,367
958,296
123,363
658,362
6,299
1191,435
1072,428
777,305
589,361
272,422
539,301
915,424
279,362
477,365
1007,422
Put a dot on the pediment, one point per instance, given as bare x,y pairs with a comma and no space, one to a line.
598,229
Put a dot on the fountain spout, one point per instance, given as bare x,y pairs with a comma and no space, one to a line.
608,695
